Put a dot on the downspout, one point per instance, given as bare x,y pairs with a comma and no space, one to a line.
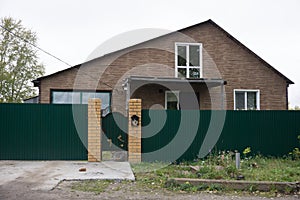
223,83
286,96
126,87
222,96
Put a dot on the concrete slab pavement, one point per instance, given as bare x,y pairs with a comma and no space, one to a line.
45,175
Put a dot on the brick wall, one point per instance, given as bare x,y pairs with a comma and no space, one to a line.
222,58
94,130
134,132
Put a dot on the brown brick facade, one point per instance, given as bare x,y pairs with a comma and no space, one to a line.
223,57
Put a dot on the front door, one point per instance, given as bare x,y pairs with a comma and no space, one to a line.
172,100
175,100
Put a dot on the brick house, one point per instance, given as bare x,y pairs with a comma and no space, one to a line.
198,67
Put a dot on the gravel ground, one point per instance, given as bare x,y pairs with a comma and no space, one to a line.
21,190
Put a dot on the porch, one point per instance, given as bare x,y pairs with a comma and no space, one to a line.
176,93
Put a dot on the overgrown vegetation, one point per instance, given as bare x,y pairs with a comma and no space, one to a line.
218,165
158,176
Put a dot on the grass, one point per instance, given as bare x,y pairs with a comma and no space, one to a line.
253,169
279,170
154,176
221,166
96,186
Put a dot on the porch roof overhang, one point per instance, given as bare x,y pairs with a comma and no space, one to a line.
210,82
133,82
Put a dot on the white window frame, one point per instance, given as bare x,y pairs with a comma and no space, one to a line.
187,67
176,94
246,91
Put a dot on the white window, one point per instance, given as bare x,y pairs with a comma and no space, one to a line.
172,100
65,97
188,60
79,97
246,99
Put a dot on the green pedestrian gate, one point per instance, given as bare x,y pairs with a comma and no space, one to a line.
114,141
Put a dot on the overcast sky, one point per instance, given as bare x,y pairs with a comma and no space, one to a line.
72,29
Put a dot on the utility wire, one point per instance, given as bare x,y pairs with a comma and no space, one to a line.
26,41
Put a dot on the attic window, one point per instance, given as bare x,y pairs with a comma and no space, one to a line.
188,60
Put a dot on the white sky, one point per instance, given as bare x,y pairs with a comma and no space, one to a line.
72,29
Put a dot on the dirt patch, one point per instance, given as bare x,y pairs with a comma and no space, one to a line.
131,190
115,190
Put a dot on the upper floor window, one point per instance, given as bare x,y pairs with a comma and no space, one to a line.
246,100
188,60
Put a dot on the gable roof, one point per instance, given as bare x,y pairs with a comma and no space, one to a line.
288,81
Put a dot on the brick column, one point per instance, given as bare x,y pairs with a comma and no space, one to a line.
135,132
94,130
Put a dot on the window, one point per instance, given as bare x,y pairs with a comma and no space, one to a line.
80,97
66,97
246,100
188,58
172,100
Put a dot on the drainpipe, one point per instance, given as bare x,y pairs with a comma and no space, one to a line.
223,83
126,88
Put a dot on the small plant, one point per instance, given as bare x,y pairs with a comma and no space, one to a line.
295,154
185,186
288,190
231,170
247,151
215,187
202,187
204,170
252,188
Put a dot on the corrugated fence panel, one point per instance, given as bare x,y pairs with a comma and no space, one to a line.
43,132
267,132
59,132
270,133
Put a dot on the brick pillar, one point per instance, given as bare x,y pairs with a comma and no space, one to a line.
135,132
94,130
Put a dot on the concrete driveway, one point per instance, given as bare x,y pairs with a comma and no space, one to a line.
45,175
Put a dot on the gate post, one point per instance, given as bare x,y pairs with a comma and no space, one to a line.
135,131
94,130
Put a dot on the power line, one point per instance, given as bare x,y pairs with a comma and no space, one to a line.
26,41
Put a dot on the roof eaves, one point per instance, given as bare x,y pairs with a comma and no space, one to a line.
36,82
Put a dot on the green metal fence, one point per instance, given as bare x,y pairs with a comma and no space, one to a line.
270,133
59,132
43,132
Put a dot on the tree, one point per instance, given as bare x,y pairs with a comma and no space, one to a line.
294,108
18,61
